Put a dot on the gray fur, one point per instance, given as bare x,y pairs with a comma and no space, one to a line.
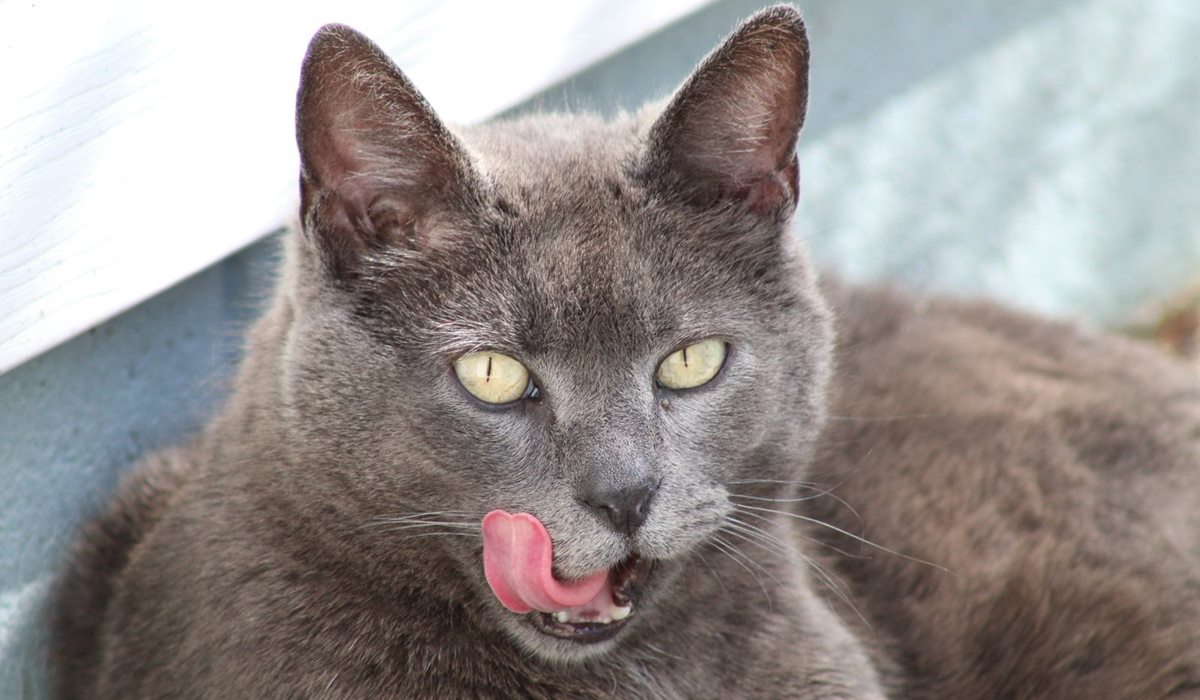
320,539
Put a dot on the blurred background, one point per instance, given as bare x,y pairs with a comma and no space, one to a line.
1045,153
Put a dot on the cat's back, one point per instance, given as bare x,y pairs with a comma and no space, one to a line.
100,555
1052,474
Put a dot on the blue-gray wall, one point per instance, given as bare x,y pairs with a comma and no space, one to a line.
1045,152
73,418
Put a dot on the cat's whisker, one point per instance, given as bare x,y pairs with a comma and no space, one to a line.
766,541
451,526
851,535
440,534
797,499
769,542
769,539
799,483
796,482
815,541
430,516
387,523
743,555
471,513
423,525
818,490
704,560
440,516
740,557
661,652
430,523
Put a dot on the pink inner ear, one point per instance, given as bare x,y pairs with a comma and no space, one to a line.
377,162
732,128
764,195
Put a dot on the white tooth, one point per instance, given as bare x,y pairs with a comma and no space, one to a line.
620,613
562,616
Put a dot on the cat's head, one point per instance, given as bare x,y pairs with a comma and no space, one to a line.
606,325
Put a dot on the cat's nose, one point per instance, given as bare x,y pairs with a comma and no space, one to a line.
625,508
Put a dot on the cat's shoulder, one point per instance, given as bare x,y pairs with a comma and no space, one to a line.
85,586
1032,484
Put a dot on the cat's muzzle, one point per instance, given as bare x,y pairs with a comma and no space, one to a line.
626,580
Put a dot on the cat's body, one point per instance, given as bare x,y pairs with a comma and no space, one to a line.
321,538
1052,472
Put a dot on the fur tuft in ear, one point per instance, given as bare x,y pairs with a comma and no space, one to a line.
730,131
377,166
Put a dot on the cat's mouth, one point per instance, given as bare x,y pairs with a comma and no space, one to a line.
588,624
518,562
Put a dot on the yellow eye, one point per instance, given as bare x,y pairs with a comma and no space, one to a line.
492,377
692,366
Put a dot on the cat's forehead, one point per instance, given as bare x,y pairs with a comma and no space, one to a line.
589,256
575,215
614,279
564,168
525,151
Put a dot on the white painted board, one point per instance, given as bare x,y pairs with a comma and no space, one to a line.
143,141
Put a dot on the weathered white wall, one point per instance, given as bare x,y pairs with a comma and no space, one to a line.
121,117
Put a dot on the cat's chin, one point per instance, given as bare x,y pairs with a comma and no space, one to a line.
568,636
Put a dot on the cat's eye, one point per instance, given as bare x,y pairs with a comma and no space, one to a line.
494,378
692,366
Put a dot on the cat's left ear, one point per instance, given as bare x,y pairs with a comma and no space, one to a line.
730,131
378,168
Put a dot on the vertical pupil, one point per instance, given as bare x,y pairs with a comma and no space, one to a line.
685,362
488,378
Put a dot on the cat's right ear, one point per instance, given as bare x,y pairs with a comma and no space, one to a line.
729,133
378,168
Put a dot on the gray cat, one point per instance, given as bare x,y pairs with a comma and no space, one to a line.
548,409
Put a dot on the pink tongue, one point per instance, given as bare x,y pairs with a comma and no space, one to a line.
517,560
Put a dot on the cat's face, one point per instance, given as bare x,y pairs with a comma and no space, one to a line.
584,254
